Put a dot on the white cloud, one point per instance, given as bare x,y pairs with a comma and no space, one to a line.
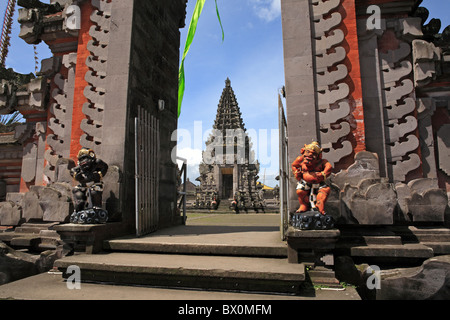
193,156
267,10
268,177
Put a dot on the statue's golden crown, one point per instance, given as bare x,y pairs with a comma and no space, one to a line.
85,152
314,146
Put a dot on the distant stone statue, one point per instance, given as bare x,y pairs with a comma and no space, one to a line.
87,195
311,171
215,200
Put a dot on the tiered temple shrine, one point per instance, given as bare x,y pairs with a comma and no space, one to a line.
229,169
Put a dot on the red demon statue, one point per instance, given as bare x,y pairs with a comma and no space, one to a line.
311,171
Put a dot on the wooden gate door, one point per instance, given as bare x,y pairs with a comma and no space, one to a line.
147,146
284,170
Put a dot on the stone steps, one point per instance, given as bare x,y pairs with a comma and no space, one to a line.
190,271
207,247
261,241
323,277
245,259
34,236
404,245
35,228
224,205
50,239
426,234
408,250
382,240
439,248
199,249
436,238
237,258
25,241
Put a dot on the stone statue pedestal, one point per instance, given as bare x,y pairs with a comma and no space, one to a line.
310,245
314,248
88,238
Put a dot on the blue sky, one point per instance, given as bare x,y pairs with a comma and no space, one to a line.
251,56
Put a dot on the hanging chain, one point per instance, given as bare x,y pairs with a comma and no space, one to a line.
6,31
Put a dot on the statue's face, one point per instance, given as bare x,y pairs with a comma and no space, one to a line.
85,162
310,156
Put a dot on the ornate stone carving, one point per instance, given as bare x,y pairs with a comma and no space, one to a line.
60,119
401,141
22,91
332,93
31,18
96,76
421,200
426,58
444,148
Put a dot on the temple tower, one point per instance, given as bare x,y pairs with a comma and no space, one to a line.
229,165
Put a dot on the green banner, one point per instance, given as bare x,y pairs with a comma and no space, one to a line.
218,17
190,36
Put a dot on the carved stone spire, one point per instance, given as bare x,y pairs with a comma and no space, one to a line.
228,112
229,167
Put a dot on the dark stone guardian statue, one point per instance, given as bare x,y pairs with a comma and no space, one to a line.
87,195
